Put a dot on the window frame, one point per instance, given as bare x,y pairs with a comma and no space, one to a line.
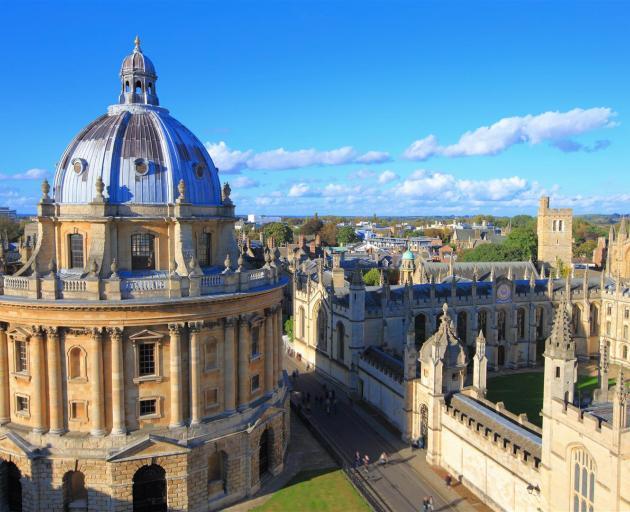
151,416
147,336
25,370
204,249
257,389
26,412
142,246
74,418
72,250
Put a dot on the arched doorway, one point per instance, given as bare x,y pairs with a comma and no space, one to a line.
75,497
501,355
263,453
149,489
11,485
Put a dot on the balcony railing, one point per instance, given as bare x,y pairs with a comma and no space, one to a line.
56,286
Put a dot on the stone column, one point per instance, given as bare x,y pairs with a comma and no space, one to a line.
54,381
229,368
243,362
118,382
175,332
195,372
5,408
270,355
96,383
278,345
37,370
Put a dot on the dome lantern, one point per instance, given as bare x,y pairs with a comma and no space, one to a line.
137,79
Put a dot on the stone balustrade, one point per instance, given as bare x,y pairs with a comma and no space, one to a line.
58,287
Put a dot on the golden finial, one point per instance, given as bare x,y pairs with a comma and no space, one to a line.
137,43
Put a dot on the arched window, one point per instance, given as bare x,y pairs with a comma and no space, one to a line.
501,325
75,496
322,324
625,332
75,246
138,87
149,489
583,475
302,322
625,351
462,327
420,324
127,86
576,320
540,325
341,335
142,252
76,363
520,323
594,320
482,321
150,88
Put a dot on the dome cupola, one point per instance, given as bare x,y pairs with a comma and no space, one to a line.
138,77
138,151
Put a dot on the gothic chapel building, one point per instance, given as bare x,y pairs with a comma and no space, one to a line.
140,362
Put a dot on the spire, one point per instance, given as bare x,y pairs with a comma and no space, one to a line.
138,77
560,343
623,227
509,274
492,274
532,281
481,345
136,43
620,403
611,234
542,272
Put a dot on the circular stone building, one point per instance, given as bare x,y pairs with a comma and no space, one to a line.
140,363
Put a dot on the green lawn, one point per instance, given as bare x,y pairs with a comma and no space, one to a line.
323,490
523,392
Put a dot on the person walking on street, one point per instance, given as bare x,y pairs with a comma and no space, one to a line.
382,460
430,504
366,464
425,504
357,460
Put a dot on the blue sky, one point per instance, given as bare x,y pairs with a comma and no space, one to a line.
393,108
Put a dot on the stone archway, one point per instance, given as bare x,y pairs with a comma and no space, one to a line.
149,489
264,454
10,487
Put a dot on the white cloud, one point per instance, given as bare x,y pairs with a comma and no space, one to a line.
535,129
31,174
299,190
362,174
233,161
387,177
373,157
244,182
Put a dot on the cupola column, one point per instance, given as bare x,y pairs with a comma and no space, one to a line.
270,360
118,382
278,346
195,372
37,370
95,367
243,362
175,332
54,381
5,412
229,369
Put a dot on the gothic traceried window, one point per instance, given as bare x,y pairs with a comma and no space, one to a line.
520,323
322,324
501,325
583,476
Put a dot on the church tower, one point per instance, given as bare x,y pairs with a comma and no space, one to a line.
407,267
555,234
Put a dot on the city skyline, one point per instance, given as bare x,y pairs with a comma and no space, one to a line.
338,108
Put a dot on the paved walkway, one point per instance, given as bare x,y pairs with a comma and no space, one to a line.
407,478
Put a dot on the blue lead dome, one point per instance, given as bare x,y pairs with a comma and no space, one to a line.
139,151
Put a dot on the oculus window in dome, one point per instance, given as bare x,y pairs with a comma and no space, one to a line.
138,149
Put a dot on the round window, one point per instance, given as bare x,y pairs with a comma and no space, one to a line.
141,166
79,165
199,169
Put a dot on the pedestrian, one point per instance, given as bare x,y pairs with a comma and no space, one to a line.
425,504
357,460
366,464
447,480
328,406
382,460
430,504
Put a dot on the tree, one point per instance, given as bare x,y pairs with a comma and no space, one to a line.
12,228
288,327
523,221
372,277
328,234
280,231
312,226
521,244
346,235
586,249
484,252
